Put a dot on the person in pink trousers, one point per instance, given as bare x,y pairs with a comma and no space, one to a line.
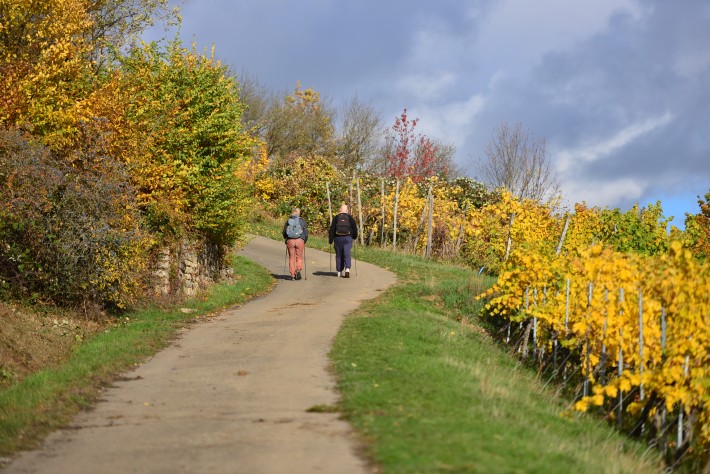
295,234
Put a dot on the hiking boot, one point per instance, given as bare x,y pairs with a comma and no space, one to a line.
298,275
347,273
292,277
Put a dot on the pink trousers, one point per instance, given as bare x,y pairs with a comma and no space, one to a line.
295,255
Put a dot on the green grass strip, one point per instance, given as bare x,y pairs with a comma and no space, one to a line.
48,399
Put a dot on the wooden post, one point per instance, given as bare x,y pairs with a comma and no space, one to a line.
463,225
350,204
330,204
394,225
620,363
566,306
587,367
510,238
359,210
430,226
641,394
421,222
382,202
562,237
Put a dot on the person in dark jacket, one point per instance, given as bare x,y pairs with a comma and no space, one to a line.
342,233
295,234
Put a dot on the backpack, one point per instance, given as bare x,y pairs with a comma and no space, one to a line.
293,228
342,225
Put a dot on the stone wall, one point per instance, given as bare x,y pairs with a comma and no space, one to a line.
190,268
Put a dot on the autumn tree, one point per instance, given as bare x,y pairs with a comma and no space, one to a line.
407,153
45,72
116,24
257,100
299,124
359,136
71,232
518,162
697,229
184,140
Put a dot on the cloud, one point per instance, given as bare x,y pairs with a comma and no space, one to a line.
427,86
617,88
604,194
569,158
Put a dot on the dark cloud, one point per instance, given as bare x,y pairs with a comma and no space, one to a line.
627,105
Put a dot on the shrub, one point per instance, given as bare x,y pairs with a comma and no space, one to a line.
70,233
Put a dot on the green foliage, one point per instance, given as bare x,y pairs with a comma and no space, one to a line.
467,191
185,130
641,231
301,182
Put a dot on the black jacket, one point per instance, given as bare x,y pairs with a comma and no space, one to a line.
331,230
304,226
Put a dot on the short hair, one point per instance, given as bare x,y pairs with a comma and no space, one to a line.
296,211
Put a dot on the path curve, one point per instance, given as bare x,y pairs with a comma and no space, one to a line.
231,394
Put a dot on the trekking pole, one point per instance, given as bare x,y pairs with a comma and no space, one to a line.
305,263
354,261
285,260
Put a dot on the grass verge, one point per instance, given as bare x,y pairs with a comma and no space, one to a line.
430,391
48,399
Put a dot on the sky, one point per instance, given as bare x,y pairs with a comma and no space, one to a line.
619,90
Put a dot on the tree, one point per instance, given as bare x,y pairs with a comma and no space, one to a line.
44,66
71,232
184,141
299,125
407,153
517,162
52,53
359,138
256,100
697,229
118,23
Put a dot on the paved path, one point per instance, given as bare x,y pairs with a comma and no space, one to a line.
230,395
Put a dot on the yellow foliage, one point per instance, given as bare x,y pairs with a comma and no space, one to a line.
46,71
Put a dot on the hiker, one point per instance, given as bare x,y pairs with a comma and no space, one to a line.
342,232
295,233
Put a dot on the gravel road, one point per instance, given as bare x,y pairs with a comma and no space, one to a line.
230,395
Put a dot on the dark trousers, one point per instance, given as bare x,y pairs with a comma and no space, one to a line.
343,244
